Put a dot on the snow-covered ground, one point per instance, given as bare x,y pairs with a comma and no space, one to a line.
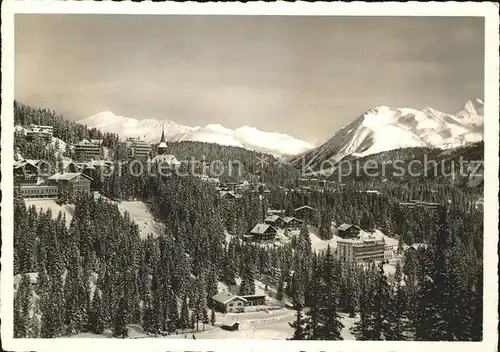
44,204
318,244
143,216
139,212
272,325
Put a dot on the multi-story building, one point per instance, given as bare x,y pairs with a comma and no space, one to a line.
30,171
35,191
39,132
73,182
87,150
138,148
365,247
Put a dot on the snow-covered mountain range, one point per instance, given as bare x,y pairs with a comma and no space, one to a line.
384,128
150,130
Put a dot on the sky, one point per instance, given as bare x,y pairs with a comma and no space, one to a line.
304,76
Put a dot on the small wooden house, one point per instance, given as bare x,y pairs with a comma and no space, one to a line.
274,220
263,233
255,300
226,302
292,223
229,323
304,212
348,231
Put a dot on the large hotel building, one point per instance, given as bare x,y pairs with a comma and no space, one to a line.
365,247
88,150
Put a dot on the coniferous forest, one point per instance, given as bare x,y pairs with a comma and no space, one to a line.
95,272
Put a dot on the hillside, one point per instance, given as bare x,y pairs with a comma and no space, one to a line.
407,164
385,128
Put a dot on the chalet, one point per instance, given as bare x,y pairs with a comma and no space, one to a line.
348,231
304,212
274,220
74,182
278,212
70,166
229,195
226,302
417,246
87,169
43,167
25,173
263,232
231,186
229,323
292,223
254,300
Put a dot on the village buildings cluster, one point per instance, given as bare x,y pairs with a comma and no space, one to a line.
36,179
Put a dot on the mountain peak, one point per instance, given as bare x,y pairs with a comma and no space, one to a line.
384,128
151,130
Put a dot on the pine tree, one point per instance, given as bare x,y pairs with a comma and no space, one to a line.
279,292
380,305
184,322
397,310
96,314
52,306
299,325
312,327
174,314
331,326
119,322
20,319
212,317
247,282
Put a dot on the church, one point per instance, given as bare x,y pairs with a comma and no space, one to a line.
163,158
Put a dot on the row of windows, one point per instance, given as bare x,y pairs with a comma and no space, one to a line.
39,191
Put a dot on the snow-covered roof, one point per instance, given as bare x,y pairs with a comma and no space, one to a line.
18,164
229,321
305,207
260,228
230,193
225,296
34,161
288,219
275,211
272,218
364,237
66,176
165,159
419,245
345,226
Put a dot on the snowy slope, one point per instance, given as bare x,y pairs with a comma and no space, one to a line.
384,128
150,130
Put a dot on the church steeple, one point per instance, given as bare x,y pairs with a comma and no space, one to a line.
162,147
162,136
